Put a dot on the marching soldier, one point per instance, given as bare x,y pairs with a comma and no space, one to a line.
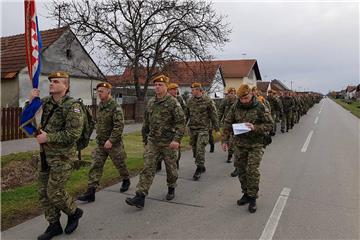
174,91
163,129
223,111
109,130
61,127
248,147
201,112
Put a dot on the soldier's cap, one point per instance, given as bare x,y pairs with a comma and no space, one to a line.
58,74
104,84
196,85
161,78
173,86
231,89
243,90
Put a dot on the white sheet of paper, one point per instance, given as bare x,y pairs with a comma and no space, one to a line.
240,128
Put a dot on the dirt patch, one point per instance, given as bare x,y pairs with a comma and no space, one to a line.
18,173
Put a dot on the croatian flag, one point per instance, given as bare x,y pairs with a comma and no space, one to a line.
33,51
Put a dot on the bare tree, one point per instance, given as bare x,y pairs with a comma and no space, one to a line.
145,34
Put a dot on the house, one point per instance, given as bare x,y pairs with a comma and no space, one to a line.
277,85
357,94
183,74
61,51
350,92
236,72
263,87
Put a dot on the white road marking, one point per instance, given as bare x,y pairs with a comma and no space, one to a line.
306,144
316,120
274,218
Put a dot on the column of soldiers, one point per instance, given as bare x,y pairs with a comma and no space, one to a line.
165,119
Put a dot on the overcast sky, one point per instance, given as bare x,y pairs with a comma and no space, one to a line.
308,45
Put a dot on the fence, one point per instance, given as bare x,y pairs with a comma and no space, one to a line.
10,118
10,124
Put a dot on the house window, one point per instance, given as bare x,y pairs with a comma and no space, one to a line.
68,54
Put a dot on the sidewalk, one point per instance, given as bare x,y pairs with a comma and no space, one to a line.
29,144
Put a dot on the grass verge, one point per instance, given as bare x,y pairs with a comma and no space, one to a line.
352,106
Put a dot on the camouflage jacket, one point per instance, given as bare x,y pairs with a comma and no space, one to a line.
275,104
63,123
288,104
164,121
110,122
255,113
224,107
202,114
182,103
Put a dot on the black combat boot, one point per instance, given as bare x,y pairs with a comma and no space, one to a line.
229,158
88,196
52,230
137,201
158,166
235,173
203,169
177,164
272,134
282,130
252,204
171,193
212,148
197,173
73,221
125,185
243,200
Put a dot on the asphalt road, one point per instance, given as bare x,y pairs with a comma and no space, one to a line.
309,190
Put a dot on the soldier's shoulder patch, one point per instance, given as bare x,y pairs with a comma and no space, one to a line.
77,110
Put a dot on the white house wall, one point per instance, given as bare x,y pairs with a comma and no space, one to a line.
217,88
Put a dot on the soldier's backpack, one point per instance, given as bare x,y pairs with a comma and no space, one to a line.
88,128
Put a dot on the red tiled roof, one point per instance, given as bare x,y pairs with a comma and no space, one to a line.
179,72
13,55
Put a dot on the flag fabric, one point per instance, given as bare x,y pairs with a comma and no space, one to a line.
33,46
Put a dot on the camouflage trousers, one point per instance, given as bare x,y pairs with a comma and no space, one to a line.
247,161
289,120
100,154
159,159
51,188
211,137
274,116
198,141
152,153
283,122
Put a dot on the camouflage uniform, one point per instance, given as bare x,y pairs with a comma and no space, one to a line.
201,112
159,159
63,123
223,111
276,110
288,104
109,126
164,122
249,147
